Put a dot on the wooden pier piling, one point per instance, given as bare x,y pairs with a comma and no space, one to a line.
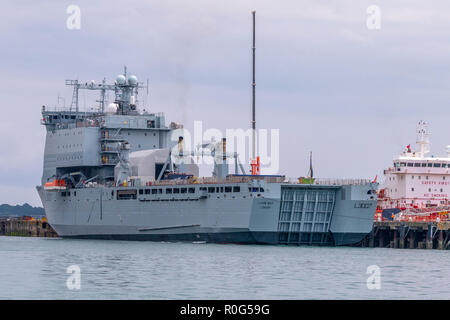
412,235
411,239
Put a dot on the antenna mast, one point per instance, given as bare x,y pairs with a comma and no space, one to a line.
255,159
253,92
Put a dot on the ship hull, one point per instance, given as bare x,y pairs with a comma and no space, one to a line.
269,238
293,215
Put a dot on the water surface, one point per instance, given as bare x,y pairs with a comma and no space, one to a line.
35,268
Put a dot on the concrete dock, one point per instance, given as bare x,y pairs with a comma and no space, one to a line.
26,228
409,235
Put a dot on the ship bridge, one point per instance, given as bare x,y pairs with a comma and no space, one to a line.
88,142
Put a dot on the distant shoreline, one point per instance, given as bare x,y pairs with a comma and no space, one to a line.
7,210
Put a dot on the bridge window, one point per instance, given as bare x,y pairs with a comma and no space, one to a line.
141,191
424,164
437,165
236,189
211,189
168,190
154,191
228,189
417,164
191,190
410,164
183,190
147,191
429,165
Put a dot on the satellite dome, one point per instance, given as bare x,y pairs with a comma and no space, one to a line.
112,108
132,80
120,79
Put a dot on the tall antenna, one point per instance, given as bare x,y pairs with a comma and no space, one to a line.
255,159
253,93
423,138
310,172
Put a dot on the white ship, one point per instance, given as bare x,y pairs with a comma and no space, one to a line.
417,181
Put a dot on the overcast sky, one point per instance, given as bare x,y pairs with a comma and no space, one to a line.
351,95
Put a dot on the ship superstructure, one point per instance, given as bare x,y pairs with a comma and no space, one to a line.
84,145
112,174
416,181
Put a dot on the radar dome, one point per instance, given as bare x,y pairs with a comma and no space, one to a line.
120,79
132,80
112,108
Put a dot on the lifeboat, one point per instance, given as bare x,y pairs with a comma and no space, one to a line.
55,185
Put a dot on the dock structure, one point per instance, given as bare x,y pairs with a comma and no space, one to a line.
409,235
26,228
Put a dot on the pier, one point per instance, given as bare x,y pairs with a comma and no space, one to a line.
26,228
409,235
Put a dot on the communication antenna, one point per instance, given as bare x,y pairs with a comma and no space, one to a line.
64,101
310,172
423,138
255,159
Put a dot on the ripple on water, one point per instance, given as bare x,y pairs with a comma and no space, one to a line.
34,268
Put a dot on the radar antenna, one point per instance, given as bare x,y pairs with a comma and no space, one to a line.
125,89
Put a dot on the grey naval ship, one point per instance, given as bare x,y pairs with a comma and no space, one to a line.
111,173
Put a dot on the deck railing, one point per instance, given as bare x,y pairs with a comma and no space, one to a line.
331,181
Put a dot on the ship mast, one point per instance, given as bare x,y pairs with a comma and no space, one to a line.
423,141
253,92
255,159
